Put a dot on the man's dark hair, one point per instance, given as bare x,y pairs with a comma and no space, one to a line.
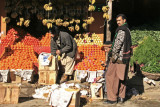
122,15
54,30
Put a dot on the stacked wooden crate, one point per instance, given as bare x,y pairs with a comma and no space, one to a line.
48,74
9,93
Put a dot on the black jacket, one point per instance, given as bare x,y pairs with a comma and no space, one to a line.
67,45
127,52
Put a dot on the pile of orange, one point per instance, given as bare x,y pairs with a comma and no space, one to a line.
9,38
93,56
45,41
21,45
30,40
20,56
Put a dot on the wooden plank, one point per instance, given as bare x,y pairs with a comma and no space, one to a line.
47,77
108,21
75,77
75,101
51,67
15,95
2,15
2,94
52,78
9,93
100,91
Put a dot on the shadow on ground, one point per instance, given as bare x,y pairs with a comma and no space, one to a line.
24,99
136,82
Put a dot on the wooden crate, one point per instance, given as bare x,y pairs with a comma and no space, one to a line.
9,93
51,67
47,77
75,100
100,91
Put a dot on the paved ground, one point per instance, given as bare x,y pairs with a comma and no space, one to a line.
150,96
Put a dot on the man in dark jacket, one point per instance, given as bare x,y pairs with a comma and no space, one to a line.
118,67
119,56
63,45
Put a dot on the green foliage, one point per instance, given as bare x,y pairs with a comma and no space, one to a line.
152,67
147,53
138,35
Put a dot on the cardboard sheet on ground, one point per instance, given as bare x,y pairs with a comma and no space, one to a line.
60,98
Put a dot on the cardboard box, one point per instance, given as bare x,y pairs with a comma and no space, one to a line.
51,67
9,93
47,77
75,101
94,94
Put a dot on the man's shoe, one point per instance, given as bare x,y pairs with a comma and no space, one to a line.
120,100
110,102
105,96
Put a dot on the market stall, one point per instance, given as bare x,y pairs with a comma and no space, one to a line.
23,55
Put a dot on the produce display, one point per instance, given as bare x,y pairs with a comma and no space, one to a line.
53,12
147,55
93,56
18,51
45,41
88,39
9,38
91,52
29,40
18,56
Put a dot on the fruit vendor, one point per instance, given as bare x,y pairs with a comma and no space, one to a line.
119,56
63,46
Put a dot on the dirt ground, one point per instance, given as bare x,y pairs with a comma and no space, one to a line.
149,96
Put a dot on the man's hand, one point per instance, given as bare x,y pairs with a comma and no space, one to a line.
58,52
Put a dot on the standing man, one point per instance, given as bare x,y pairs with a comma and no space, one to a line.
119,55
119,62
63,45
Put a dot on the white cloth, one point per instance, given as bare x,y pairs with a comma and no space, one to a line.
39,93
4,75
64,85
91,76
25,74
